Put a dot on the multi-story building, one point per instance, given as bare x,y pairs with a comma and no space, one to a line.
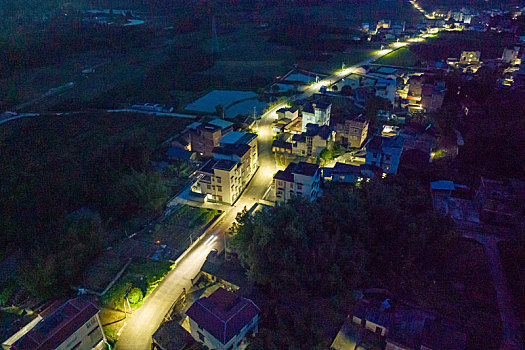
385,152
386,89
240,147
223,321
432,96
352,132
316,112
301,179
470,57
234,162
287,113
205,137
312,142
220,180
72,325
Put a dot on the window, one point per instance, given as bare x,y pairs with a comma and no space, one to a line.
219,180
213,187
219,188
387,157
299,186
209,186
219,198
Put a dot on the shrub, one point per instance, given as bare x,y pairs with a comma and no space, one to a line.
135,296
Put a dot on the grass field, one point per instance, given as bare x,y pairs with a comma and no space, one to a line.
399,57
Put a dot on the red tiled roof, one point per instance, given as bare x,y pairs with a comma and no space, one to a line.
57,326
223,314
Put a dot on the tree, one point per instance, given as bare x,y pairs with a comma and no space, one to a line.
346,90
375,104
335,87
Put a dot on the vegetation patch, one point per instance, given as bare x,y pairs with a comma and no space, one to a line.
139,280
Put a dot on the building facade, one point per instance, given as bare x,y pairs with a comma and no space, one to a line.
317,112
352,132
385,152
298,179
235,160
205,137
312,142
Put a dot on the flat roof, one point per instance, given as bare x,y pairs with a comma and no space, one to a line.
220,123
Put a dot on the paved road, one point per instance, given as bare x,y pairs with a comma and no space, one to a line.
512,338
138,330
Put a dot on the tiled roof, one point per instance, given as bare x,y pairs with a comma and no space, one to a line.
56,327
307,169
223,314
343,168
220,164
177,153
223,124
229,149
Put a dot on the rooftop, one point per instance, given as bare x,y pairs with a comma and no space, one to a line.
223,314
58,325
177,153
232,149
219,164
343,168
237,137
223,124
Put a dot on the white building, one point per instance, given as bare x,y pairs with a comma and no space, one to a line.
385,152
234,162
298,179
317,112
223,321
386,89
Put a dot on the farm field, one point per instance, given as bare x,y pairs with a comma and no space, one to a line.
208,102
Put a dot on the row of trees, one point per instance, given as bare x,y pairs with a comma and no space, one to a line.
307,256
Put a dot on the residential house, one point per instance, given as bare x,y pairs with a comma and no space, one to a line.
470,58
386,89
240,147
220,180
343,172
432,96
501,203
301,179
316,112
352,132
205,136
387,326
234,162
385,152
224,320
510,55
175,154
74,324
280,146
312,142
289,113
